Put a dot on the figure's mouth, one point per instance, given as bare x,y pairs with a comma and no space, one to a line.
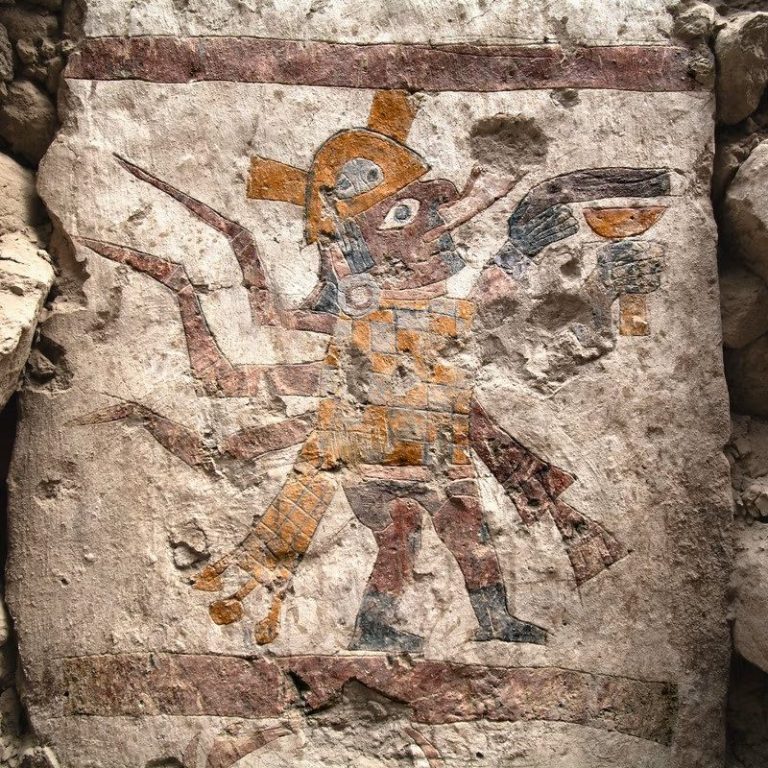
448,254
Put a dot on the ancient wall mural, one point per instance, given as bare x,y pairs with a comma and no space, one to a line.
397,420
382,439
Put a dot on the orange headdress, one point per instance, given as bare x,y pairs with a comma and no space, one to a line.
379,147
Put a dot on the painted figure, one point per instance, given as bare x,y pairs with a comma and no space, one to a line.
397,422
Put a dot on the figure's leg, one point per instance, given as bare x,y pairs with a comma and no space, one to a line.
459,523
396,525
273,549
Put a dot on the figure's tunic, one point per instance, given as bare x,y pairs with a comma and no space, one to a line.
395,390
396,419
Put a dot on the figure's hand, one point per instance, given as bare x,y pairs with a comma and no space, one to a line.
530,237
526,238
512,260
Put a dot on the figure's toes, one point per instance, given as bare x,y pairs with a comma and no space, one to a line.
226,611
514,631
266,631
375,636
529,633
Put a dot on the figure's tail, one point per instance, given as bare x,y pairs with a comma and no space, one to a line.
534,486
591,548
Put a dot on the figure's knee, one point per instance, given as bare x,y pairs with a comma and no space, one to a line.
460,518
406,514
403,533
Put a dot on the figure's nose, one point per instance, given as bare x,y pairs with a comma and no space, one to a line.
474,199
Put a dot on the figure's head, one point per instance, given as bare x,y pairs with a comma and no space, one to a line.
393,240
365,203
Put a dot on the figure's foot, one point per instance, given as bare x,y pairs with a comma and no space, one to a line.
230,609
225,611
374,630
374,636
513,630
496,623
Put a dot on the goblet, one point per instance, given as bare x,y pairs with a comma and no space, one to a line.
617,224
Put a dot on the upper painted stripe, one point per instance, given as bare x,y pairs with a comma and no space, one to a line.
412,67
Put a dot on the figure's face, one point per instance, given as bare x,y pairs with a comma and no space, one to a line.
394,243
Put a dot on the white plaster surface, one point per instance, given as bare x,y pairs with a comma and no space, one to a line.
407,21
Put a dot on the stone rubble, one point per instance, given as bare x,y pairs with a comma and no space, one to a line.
32,54
745,214
27,120
741,48
26,277
744,302
740,195
21,210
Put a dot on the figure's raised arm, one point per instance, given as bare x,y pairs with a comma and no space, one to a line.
208,363
264,306
260,297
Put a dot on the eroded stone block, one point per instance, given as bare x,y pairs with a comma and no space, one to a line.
26,277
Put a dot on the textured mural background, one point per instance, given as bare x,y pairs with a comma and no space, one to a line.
390,425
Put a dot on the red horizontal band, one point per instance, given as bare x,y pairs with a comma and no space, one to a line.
436,691
412,67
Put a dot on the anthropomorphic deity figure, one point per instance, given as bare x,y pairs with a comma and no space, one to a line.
397,428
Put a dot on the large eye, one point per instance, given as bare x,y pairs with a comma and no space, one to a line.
401,214
356,177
